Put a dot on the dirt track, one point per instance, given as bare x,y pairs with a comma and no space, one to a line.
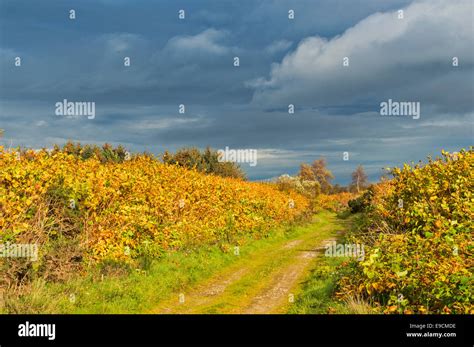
266,282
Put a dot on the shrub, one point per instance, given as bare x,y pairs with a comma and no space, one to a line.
335,202
206,162
418,239
308,188
363,202
105,154
130,210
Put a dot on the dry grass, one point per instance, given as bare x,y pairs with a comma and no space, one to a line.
358,305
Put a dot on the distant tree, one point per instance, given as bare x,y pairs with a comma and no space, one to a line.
322,174
1,132
309,188
187,157
385,175
206,162
306,172
106,154
338,189
359,179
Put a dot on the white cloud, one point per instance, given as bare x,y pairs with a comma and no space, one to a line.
459,122
120,42
278,46
387,55
276,155
206,41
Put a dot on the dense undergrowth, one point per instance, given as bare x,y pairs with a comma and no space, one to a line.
83,210
418,234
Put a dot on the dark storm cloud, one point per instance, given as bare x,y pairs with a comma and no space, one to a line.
191,62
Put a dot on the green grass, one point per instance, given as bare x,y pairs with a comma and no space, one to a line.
264,264
128,290
268,263
138,291
317,292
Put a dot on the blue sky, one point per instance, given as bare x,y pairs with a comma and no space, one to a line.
282,62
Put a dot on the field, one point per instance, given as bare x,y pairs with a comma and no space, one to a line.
134,236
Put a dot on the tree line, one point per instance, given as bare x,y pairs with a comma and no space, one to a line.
311,179
315,178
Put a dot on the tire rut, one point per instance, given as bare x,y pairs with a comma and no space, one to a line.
205,294
274,297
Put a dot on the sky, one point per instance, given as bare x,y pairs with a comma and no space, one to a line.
402,56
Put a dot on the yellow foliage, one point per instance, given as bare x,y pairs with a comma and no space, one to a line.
135,203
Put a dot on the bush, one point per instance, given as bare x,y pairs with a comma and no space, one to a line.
105,154
206,162
132,210
363,202
418,240
335,202
310,189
